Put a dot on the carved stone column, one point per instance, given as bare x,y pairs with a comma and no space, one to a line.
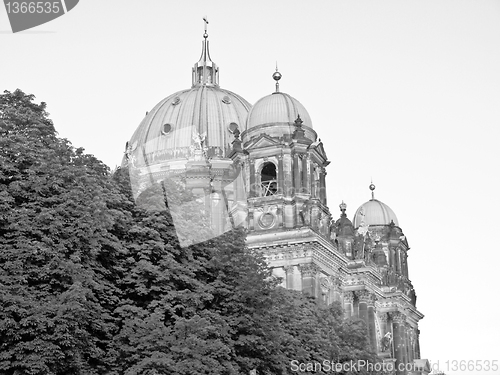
417,343
289,276
305,175
398,329
296,173
281,185
322,185
309,272
335,290
348,304
363,298
253,188
371,322
410,343
405,341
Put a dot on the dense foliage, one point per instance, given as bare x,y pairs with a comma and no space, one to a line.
91,282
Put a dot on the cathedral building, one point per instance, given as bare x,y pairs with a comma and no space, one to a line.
263,167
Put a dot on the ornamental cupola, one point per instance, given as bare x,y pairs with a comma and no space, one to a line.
286,167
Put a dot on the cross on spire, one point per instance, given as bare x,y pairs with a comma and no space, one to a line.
205,19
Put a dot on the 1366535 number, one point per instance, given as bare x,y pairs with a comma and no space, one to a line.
33,7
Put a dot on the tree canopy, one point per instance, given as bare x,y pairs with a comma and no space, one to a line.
92,282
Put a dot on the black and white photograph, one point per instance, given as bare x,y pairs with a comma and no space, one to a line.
249,187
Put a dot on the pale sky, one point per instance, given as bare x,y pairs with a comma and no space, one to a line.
404,92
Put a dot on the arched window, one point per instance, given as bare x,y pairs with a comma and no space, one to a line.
268,181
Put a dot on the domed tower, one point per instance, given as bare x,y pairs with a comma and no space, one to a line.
286,168
380,245
388,247
187,137
288,218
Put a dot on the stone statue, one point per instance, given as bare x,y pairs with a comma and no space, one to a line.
385,276
386,342
305,213
333,230
358,247
199,140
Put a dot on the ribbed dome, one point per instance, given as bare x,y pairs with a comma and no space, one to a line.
168,129
374,212
277,108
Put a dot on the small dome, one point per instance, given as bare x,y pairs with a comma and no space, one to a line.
374,212
277,108
167,130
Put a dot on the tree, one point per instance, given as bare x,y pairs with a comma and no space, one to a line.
54,225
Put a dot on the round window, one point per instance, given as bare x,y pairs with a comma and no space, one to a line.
166,129
266,220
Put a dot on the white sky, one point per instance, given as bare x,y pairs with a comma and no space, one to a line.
404,92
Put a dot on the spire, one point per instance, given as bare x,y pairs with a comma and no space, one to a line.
205,71
277,77
372,188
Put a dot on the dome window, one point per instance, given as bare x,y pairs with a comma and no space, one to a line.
226,99
269,185
176,100
166,129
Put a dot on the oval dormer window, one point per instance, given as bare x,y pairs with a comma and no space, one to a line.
166,129
226,99
176,100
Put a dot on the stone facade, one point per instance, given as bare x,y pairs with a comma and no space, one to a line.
264,168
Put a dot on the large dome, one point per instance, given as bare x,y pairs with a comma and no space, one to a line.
167,130
277,108
374,212
203,116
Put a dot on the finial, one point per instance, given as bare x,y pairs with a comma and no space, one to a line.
372,188
277,77
298,120
205,19
343,207
205,71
